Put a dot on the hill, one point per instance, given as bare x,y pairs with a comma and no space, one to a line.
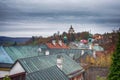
13,40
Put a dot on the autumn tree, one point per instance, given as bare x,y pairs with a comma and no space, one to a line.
101,61
84,35
115,66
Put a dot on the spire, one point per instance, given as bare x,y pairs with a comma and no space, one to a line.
71,27
71,30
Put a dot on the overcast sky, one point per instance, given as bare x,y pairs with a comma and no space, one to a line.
20,18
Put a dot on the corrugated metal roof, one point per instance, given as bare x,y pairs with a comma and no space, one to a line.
98,48
12,53
78,45
43,62
16,52
73,53
4,57
67,51
52,73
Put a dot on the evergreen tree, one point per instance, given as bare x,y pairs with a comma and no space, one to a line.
115,66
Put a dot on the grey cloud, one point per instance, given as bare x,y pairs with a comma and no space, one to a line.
26,13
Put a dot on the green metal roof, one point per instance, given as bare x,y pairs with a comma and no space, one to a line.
52,73
16,52
12,53
73,53
43,62
4,57
98,48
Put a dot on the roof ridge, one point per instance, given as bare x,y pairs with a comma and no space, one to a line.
40,56
43,69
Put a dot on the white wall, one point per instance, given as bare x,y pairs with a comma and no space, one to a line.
3,73
90,46
17,68
82,52
94,54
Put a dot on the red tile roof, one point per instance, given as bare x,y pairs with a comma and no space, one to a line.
57,45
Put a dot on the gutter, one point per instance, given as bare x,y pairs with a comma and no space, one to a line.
75,73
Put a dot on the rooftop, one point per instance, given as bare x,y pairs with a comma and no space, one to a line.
57,46
52,73
97,48
4,57
16,52
43,62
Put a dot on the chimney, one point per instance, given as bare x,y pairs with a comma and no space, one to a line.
60,61
90,46
47,52
54,42
94,54
82,52
39,50
60,42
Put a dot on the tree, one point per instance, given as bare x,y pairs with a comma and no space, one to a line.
84,35
6,78
101,78
15,43
72,36
115,66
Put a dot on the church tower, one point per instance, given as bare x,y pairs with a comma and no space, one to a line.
71,30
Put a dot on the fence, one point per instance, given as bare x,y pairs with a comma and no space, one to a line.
20,76
92,72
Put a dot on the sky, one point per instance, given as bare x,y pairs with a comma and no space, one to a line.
26,18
